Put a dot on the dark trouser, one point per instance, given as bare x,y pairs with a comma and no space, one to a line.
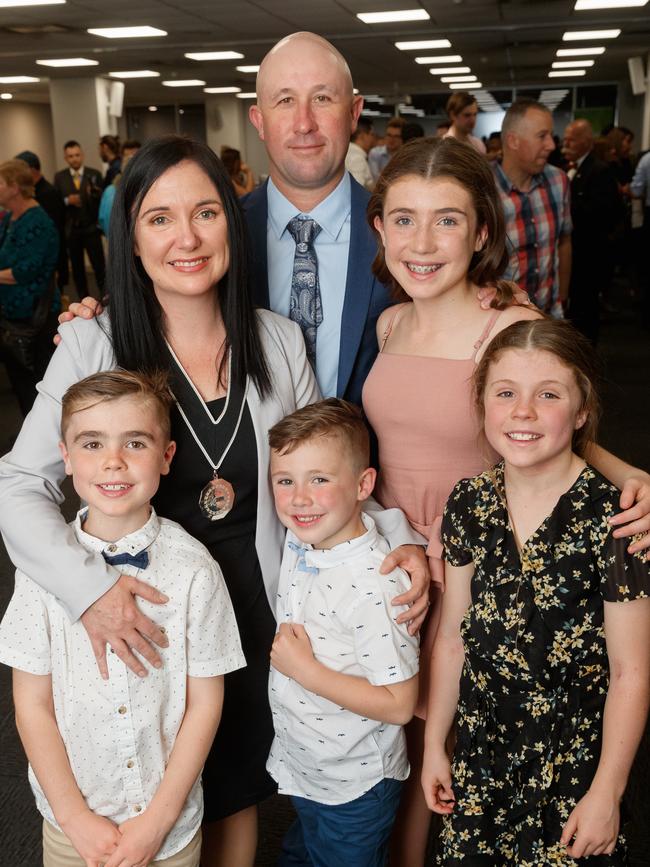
342,835
587,280
22,379
90,240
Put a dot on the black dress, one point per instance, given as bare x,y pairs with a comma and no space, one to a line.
235,775
536,671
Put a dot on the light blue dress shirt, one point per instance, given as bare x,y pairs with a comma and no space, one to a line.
332,246
640,184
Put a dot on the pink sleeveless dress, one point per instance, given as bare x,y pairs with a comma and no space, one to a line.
421,410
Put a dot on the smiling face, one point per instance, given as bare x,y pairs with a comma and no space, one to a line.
181,235
532,406
318,491
429,234
305,114
116,452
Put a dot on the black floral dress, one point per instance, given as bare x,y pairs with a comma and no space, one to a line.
536,674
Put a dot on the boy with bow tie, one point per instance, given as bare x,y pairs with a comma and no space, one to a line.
115,764
343,672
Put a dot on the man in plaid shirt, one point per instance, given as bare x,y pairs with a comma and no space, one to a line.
536,204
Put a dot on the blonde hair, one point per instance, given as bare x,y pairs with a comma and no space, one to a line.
332,417
560,339
19,173
113,384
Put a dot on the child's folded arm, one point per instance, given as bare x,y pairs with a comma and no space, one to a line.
94,837
143,836
390,703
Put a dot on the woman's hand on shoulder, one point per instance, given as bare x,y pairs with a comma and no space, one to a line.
86,309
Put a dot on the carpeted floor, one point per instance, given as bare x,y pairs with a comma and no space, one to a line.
625,348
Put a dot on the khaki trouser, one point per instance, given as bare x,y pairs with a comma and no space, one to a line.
58,851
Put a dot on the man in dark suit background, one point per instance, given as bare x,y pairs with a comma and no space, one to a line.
595,212
81,188
51,200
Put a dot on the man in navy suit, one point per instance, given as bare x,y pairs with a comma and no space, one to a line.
305,113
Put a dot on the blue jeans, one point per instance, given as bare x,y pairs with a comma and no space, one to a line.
342,835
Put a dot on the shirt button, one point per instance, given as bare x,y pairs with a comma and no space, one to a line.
121,709
112,549
137,808
129,764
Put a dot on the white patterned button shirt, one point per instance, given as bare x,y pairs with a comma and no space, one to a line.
119,733
322,751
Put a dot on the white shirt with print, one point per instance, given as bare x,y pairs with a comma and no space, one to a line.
119,733
322,751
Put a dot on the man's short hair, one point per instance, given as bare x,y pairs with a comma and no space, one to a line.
30,158
328,418
71,144
459,101
111,385
517,111
396,122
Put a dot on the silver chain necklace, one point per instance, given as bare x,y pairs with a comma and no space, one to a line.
218,496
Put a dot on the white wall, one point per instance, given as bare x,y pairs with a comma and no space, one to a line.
27,126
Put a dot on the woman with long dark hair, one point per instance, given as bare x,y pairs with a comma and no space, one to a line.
178,301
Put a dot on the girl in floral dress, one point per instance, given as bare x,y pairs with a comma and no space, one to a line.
543,648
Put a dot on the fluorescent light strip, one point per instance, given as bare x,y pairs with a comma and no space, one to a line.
448,78
576,35
579,52
449,58
248,68
68,61
449,70
222,90
251,95
215,55
126,32
582,5
18,79
572,64
388,17
135,73
187,82
565,73
10,4
423,44
469,86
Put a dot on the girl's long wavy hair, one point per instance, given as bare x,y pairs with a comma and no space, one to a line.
448,159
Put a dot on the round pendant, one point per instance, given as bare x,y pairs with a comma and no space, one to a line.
217,499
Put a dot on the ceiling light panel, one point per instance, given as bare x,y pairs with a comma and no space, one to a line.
423,44
469,87
565,73
390,17
579,52
448,78
249,95
449,58
126,32
577,35
215,55
222,90
248,68
582,5
13,4
68,61
19,79
135,73
184,82
572,64
449,70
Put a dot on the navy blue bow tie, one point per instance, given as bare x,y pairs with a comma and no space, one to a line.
302,562
139,560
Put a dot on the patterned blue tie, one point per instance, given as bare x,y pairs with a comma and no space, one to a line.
306,308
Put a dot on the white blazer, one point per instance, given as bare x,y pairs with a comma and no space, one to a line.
39,541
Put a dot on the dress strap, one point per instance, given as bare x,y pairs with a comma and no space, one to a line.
391,323
486,332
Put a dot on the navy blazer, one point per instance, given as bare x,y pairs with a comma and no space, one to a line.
365,297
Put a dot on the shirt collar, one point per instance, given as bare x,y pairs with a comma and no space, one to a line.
330,214
326,559
78,171
580,161
133,543
506,184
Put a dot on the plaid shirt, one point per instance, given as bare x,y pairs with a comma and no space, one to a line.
535,221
